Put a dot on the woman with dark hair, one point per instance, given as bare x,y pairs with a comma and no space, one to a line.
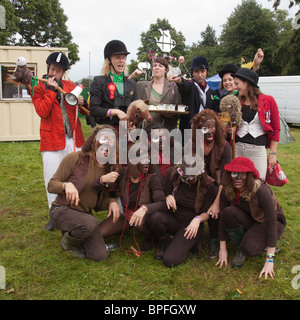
160,91
260,125
227,85
217,153
251,215
79,183
189,192
141,194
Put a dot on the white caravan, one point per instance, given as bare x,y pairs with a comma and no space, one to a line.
286,92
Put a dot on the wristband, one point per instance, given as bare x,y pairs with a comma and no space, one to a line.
197,217
270,255
273,152
64,186
268,260
110,116
104,184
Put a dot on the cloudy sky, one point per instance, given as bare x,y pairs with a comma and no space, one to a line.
95,22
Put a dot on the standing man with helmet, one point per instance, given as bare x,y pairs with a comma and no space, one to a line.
112,92
60,128
195,93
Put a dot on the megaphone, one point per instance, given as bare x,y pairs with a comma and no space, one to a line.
72,97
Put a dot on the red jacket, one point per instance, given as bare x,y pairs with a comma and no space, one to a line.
268,104
52,130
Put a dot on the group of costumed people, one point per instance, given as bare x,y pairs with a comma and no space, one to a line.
163,201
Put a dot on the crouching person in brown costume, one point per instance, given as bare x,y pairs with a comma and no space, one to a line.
188,197
250,214
78,183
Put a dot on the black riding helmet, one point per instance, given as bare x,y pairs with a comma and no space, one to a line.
58,58
115,47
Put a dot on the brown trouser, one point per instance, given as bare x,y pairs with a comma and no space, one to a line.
255,238
163,223
83,226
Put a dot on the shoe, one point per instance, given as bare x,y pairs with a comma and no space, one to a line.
72,246
236,235
213,248
239,259
111,246
161,248
197,249
49,226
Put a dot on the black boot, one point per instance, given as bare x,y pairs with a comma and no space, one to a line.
161,248
236,235
49,226
72,246
213,248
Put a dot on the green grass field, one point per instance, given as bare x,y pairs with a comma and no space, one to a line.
37,269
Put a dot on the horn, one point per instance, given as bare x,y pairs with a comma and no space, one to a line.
72,97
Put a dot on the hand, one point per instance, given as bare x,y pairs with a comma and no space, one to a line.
114,209
80,100
222,257
121,115
171,203
258,58
268,269
174,78
137,217
52,82
231,130
72,194
272,160
214,211
136,73
110,177
192,229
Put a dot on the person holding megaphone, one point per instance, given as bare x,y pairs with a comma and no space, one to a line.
60,128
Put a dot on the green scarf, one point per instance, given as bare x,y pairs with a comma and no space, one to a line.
116,78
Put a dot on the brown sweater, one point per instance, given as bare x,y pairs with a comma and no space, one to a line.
76,169
151,193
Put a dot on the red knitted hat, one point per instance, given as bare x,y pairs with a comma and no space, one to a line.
242,164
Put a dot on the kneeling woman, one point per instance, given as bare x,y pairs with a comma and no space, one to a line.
141,195
188,199
250,214
78,185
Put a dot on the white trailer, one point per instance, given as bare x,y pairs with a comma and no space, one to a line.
286,92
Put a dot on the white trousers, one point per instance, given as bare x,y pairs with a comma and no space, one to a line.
51,161
257,154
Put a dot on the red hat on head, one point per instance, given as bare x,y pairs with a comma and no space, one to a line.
242,164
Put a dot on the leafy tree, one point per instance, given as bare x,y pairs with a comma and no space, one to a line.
287,55
40,23
208,37
7,36
248,28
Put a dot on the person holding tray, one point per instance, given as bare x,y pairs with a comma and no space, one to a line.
160,91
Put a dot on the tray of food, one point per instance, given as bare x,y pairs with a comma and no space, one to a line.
169,108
